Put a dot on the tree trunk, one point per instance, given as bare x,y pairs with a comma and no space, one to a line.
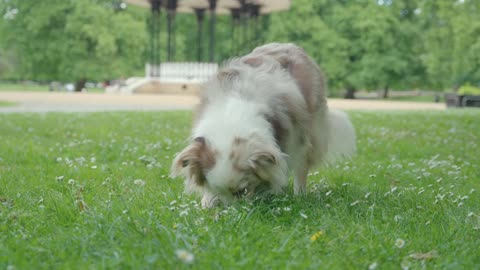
350,94
385,92
80,85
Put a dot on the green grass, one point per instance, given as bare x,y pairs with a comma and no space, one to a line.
91,191
7,103
424,98
34,87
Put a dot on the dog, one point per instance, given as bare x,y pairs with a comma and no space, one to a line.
261,117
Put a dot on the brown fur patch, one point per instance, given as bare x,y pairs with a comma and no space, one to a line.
280,131
198,158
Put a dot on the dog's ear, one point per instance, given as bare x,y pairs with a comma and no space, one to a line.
253,61
192,162
189,156
263,163
262,159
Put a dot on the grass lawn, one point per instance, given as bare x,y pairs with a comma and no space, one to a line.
416,98
35,87
91,191
7,103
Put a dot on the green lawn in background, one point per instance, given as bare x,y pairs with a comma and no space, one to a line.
91,191
423,98
6,103
35,87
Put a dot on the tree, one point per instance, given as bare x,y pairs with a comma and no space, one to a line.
359,44
74,40
452,47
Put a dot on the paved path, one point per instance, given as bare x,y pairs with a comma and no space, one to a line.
91,102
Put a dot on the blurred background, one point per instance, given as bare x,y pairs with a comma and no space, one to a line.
397,49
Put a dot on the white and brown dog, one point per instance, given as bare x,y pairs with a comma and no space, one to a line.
262,116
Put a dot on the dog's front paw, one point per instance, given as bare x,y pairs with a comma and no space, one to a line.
210,200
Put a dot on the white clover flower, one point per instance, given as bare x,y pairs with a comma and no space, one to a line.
303,215
139,182
71,182
373,266
399,243
185,256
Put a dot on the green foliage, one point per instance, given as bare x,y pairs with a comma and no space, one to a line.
452,47
469,90
71,40
365,44
91,191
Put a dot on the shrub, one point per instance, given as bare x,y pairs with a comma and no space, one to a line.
469,90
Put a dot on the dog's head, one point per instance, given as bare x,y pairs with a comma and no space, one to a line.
242,167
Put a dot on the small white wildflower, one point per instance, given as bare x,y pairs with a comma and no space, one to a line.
287,209
59,178
368,195
303,215
372,175
183,213
399,243
71,182
355,203
397,218
139,182
328,193
184,256
94,167
373,266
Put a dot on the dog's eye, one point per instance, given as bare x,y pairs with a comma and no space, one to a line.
185,163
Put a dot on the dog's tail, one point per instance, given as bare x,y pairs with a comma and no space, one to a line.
341,136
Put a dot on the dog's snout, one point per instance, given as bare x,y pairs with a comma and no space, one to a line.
238,193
